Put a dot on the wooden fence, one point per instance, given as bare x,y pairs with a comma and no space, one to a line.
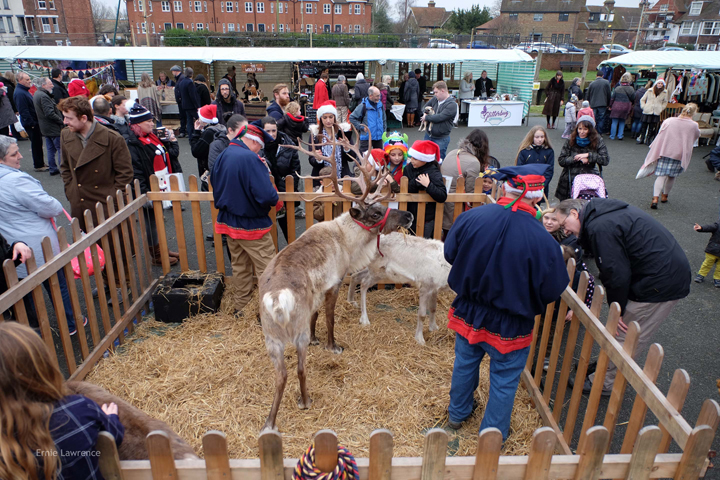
570,445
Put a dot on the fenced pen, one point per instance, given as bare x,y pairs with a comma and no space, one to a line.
572,444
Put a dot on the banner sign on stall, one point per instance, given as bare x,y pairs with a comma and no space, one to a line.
253,68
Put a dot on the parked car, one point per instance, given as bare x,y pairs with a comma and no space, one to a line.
441,43
614,48
569,48
480,44
534,47
671,49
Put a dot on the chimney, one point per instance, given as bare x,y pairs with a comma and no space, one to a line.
431,4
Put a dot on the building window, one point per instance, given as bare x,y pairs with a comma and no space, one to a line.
150,5
42,5
143,27
664,8
338,28
326,28
261,27
711,28
6,4
165,6
223,28
2,25
280,7
308,8
56,26
689,28
11,27
152,28
45,25
260,7
140,6
357,28
594,17
178,6
250,27
167,26
231,27
553,39
538,17
229,7
513,17
282,27
205,6
308,28
695,8
248,7
272,7
357,9
563,17
326,8
198,6
180,26
222,7
338,9
51,4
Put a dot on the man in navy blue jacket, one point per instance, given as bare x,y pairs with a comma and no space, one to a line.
505,270
28,117
244,195
189,101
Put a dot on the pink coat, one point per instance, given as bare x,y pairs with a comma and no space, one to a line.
586,111
674,140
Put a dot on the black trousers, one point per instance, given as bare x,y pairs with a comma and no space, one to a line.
36,144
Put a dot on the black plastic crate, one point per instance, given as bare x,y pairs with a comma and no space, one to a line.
181,295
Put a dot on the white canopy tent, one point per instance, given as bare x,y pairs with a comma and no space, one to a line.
249,54
663,60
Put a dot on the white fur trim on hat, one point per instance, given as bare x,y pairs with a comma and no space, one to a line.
423,157
255,138
211,121
326,108
518,191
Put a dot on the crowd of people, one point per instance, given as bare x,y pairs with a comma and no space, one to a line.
100,144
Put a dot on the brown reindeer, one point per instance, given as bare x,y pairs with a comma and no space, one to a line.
310,270
137,424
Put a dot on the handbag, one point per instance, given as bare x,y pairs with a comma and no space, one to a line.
75,263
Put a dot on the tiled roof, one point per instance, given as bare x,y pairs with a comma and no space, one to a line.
710,11
624,18
541,6
430,17
491,25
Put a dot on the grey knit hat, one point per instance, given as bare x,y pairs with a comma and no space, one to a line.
587,118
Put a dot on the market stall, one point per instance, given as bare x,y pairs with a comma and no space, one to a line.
495,113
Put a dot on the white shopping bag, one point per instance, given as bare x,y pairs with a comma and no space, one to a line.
164,181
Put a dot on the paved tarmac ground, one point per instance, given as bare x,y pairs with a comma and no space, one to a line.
691,335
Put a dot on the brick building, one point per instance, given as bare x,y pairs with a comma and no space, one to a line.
317,16
550,20
658,21
426,19
603,24
56,22
700,26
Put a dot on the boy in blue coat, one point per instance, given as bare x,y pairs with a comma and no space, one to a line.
505,270
244,195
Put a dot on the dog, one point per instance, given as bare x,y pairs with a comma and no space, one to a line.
428,110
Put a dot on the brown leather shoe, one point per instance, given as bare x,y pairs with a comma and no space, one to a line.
654,203
663,198
172,254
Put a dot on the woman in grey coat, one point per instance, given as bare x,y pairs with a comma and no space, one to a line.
411,93
26,214
7,114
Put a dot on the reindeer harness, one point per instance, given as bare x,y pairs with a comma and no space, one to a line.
380,225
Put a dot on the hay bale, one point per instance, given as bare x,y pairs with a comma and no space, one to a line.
213,372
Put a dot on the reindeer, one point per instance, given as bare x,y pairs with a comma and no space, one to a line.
137,424
310,270
406,259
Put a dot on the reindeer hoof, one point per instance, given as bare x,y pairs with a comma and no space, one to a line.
335,348
420,339
314,341
304,405
269,427
364,321
433,327
354,304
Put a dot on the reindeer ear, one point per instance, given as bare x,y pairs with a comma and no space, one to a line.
356,213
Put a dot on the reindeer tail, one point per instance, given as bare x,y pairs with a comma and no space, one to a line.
281,307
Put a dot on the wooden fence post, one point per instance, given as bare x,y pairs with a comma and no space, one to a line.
217,462
541,452
487,455
381,455
271,455
162,463
695,453
109,461
434,452
677,393
592,451
643,453
326,450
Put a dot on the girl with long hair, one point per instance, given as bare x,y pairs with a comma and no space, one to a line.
584,152
43,430
327,130
536,148
653,103
149,97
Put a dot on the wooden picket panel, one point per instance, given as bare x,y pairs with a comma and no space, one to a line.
677,393
128,255
74,299
11,279
434,451
143,232
592,451
643,453
109,461
162,463
162,234
381,454
110,266
87,286
179,225
541,453
217,461
487,456
271,455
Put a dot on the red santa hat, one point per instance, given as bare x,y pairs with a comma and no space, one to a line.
257,134
208,114
327,107
425,151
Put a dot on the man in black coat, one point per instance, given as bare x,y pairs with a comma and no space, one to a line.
25,106
484,85
59,90
641,265
189,101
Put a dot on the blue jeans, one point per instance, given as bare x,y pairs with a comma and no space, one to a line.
53,147
617,128
600,118
636,125
189,115
505,370
442,142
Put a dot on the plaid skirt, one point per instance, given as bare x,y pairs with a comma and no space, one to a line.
668,167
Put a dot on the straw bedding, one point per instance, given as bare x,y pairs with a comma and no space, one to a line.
213,372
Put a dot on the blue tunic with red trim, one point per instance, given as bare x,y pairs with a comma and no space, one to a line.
243,193
505,269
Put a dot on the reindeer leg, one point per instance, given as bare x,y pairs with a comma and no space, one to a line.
304,401
354,280
419,338
364,285
330,301
276,351
313,323
433,308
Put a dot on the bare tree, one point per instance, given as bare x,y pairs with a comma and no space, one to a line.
402,10
102,11
495,8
